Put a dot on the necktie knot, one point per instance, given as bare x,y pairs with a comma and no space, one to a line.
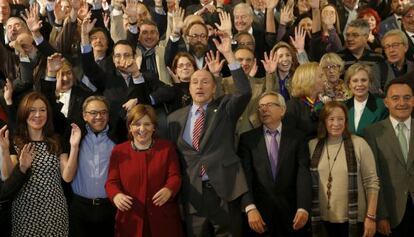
272,133
200,110
401,127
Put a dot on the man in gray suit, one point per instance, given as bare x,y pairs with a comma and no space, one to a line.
213,183
392,142
393,21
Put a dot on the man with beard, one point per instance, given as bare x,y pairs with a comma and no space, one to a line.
393,21
197,39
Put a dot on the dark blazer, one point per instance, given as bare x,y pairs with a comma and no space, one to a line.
277,201
374,111
113,86
391,75
410,52
396,176
300,116
389,23
217,153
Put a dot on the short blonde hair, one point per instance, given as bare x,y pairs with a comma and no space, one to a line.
354,69
303,80
332,58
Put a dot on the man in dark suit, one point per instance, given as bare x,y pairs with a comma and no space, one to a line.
392,142
213,178
393,21
395,45
125,85
408,28
279,184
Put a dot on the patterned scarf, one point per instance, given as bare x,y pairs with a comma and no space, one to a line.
352,187
148,59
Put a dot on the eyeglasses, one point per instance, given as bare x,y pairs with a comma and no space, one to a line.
245,43
267,105
95,113
392,46
353,35
182,65
332,66
198,37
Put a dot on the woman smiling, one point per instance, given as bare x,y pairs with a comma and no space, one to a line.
143,179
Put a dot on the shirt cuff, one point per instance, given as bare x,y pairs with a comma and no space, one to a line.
133,29
139,79
249,208
234,66
174,38
50,78
50,6
38,40
87,48
160,11
116,12
152,100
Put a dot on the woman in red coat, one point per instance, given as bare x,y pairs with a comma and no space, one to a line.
143,180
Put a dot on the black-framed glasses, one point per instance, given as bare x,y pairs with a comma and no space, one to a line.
94,113
392,45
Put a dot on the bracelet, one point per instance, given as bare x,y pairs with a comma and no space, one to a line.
132,24
371,217
57,25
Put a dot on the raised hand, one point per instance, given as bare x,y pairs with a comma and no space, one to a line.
173,76
178,20
270,62
131,10
127,106
86,27
286,15
75,135
59,13
8,92
162,196
225,46
299,41
213,62
26,157
54,63
32,19
106,19
4,138
83,10
123,202
225,22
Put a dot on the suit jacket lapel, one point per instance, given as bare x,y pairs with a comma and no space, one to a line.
366,119
183,122
262,155
283,146
410,156
211,112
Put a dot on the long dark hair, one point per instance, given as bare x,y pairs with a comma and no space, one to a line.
324,114
21,134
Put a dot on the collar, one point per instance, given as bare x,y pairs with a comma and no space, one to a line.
194,108
250,30
360,105
395,122
355,7
66,92
103,132
397,17
278,129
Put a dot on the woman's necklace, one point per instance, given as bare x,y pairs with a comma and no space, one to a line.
330,179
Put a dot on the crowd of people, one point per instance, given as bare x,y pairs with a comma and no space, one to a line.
202,118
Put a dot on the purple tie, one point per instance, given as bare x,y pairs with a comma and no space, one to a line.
273,151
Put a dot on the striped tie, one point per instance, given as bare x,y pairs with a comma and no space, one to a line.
198,128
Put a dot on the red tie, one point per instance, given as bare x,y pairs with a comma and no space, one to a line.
198,128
